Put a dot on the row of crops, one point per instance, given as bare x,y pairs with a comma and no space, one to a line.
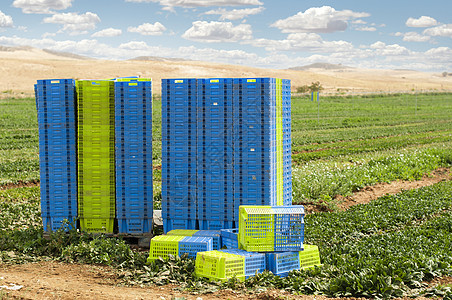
391,247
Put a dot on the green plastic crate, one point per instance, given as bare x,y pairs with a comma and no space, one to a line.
97,225
163,245
219,266
256,228
182,232
309,257
96,154
271,228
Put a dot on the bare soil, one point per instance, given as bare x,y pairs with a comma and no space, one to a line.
370,193
19,185
55,280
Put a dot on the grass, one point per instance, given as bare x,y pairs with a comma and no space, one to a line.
352,132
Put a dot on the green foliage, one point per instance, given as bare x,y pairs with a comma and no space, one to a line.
101,250
323,180
173,270
302,89
315,87
383,249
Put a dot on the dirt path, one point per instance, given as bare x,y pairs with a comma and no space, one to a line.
54,280
370,193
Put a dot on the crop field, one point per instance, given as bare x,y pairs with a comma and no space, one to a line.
394,246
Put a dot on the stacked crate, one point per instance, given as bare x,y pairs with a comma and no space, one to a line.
242,133
255,143
287,141
179,142
215,154
133,140
96,155
57,152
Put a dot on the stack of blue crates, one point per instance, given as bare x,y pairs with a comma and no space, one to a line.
226,142
287,141
133,151
215,183
255,174
55,103
179,142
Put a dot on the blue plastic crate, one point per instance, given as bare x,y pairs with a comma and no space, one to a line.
137,226
172,223
194,244
254,262
215,235
282,263
56,223
229,238
214,224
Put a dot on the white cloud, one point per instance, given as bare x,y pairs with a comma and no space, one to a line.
134,46
366,28
171,4
413,37
423,21
41,6
109,32
74,23
359,21
374,56
389,50
303,42
48,34
235,14
148,29
218,32
442,30
5,20
318,19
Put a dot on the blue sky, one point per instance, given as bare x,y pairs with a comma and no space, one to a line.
396,34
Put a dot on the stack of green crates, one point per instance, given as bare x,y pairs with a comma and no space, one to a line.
96,155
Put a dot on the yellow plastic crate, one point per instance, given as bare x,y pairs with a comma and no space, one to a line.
256,228
309,257
220,266
182,232
271,228
97,225
163,245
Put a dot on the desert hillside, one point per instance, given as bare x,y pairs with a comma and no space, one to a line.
21,67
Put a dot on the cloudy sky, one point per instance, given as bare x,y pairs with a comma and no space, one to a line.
394,34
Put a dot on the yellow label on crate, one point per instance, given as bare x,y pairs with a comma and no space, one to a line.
251,80
133,83
55,81
178,81
214,81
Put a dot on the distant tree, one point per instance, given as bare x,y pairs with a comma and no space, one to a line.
302,89
315,87
445,74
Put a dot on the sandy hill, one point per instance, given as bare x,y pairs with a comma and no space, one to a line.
22,66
